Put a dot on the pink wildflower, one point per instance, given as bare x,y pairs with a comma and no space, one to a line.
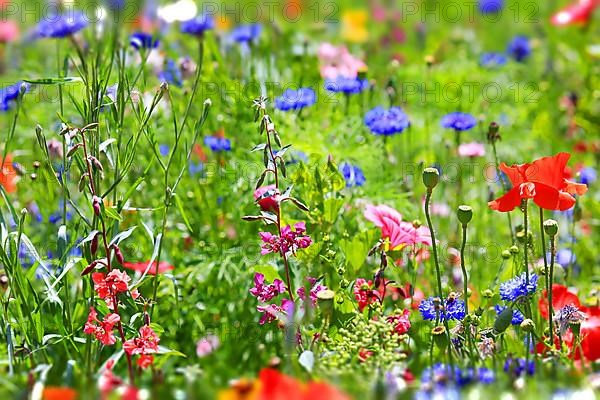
207,345
102,330
472,149
271,200
364,293
400,322
290,240
265,293
315,288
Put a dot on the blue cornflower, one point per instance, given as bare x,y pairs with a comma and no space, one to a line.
295,99
217,144
564,257
517,287
386,122
143,40
115,5
171,74
346,85
246,33
61,26
588,175
518,366
519,48
197,26
352,174
517,316
25,256
459,121
164,149
490,6
452,309
57,217
9,94
196,168
492,60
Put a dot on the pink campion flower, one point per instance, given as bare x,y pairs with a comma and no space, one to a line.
146,343
472,150
364,293
269,203
406,234
338,62
102,330
400,322
315,288
108,381
265,293
9,31
207,345
381,214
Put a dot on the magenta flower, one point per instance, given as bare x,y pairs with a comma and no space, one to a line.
271,312
265,293
315,288
207,345
400,322
289,242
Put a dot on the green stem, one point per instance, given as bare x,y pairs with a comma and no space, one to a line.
549,291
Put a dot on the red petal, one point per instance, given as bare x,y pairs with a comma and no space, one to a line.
561,296
547,197
513,173
549,170
508,202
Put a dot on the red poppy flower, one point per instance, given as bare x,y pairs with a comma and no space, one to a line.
8,175
578,13
544,181
58,393
590,327
141,266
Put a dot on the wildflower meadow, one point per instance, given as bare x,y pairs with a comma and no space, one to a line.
301,199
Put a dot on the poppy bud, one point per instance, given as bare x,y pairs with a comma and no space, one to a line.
488,294
465,214
440,338
551,227
493,132
527,325
514,249
506,254
431,177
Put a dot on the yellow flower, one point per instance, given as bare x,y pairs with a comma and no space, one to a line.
354,26
241,390
222,23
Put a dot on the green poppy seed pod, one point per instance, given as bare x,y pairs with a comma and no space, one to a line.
503,320
440,338
488,294
506,254
325,298
527,325
551,227
431,177
514,249
465,214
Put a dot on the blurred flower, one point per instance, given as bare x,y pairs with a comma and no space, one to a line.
197,26
144,345
9,31
490,6
141,266
207,345
451,309
171,74
58,393
217,144
519,48
295,99
354,26
60,26
386,122
543,180
492,60
346,85
8,174
314,288
143,40
459,121
517,287
245,34
353,175
472,149
517,316
9,94
588,176
577,13
272,312
518,366
337,61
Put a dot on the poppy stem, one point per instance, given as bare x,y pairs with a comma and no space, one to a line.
525,241
548,284
549,280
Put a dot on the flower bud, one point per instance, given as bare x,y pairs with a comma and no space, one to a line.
493,134
506,254
503,320
514,249
527,325
488,294
465,214
94,245
96,201
118,254
431,177
417,224
551,227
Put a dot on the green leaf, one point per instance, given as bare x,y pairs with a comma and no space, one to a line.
268,271
181,209
54,81
110,212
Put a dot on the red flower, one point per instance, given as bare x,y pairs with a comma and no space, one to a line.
102,330
58,393
144,345
590,327
364,293
141,266
270,202
575,14
400,322
544,181
8,175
